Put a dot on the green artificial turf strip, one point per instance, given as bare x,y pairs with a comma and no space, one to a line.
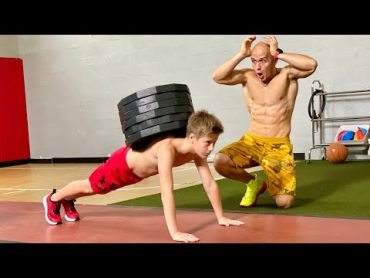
323,189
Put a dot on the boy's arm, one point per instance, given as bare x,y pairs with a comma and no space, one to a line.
166,156
211,188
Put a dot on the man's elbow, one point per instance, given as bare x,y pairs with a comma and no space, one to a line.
311,68
219,80
313,65
216,78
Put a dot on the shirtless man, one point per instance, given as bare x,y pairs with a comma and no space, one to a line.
269,94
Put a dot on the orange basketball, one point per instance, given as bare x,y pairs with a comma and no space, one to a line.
336,153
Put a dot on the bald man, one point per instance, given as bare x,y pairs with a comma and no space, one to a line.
269,95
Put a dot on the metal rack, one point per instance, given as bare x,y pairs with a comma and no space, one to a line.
318,120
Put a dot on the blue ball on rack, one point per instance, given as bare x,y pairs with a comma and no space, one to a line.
348,135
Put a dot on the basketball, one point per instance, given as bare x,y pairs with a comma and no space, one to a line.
336,153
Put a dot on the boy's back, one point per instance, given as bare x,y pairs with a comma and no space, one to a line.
177,150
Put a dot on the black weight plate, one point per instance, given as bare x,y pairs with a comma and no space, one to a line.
179,101
155,130
154,114
156,121
142,144
152,98
151,91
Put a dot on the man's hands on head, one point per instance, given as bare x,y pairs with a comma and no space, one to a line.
246,46
268,39
272,42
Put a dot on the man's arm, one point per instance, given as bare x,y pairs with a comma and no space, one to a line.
300,66
166,155
226,73
211,188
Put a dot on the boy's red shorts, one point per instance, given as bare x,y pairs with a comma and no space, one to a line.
113,174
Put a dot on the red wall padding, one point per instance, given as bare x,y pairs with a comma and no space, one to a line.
14,139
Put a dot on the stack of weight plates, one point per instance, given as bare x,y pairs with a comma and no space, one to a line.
147,114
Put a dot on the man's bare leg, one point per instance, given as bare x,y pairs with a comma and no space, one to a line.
226,167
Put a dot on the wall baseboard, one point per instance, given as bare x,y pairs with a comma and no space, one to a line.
69,160
55,160
299,156
79,159
14,162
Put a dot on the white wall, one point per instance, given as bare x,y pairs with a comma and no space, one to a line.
8,46
74,82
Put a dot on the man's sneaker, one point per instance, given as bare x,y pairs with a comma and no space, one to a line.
254,189
52,210
71,214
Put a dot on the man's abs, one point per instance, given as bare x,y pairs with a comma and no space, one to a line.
270,120
265,130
